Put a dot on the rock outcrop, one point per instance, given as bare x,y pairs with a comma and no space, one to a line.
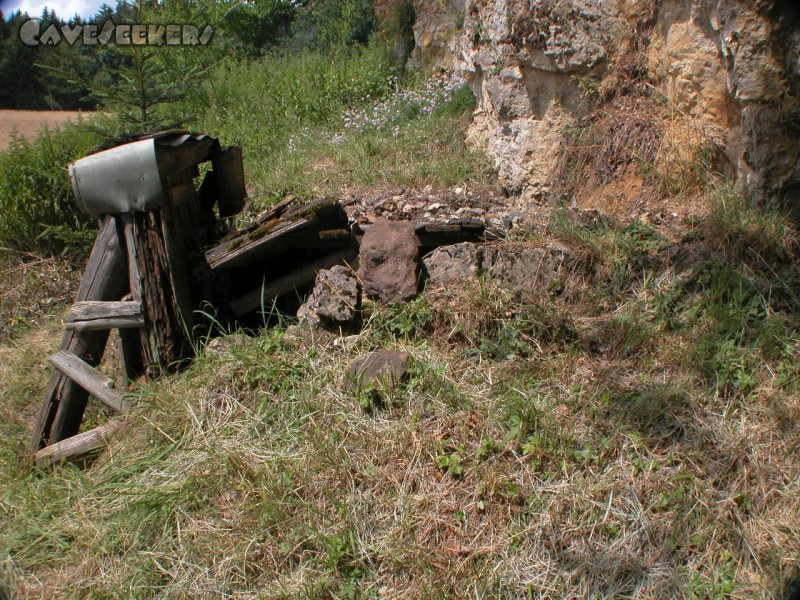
456,263
717,83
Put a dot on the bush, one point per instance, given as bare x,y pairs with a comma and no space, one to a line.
35,194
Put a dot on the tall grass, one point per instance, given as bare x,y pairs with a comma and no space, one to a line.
318,123
261,104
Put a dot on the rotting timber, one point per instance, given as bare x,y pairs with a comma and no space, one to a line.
162,256
145,275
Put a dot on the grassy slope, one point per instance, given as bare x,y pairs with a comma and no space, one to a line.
633,435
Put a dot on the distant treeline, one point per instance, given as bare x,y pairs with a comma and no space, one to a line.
72,77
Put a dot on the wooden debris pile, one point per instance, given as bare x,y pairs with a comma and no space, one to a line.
282,250
159,258
145,276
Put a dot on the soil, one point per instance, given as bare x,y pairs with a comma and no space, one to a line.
28,123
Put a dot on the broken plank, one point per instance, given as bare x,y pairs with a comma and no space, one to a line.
89,310
334,234
83,443
275,211
229,172
283,285
255,245
89,378
438,228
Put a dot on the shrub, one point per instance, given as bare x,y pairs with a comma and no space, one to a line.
35,195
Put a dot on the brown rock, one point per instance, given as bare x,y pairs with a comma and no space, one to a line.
388,261
380,370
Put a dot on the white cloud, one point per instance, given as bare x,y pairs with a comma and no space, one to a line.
64,8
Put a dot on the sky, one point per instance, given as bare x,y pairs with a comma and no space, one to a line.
64,8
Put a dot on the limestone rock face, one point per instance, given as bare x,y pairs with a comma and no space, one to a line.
388,261
726,73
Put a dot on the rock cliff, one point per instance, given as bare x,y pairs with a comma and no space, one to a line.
674,90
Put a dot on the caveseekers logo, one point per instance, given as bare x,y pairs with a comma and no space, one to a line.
138,34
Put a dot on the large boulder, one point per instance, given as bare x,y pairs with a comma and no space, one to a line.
388,261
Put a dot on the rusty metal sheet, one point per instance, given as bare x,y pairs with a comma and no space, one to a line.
118,180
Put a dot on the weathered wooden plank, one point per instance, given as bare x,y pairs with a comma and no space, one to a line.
275,211
440,228
334,234
90,379
174,159
287,283
245,250
125,322
176,245
325,210
260,241
166,342
473,225
183,193
105,278
132,342
134,276
89,310
82,443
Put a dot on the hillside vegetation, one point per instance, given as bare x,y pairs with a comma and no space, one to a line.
630,431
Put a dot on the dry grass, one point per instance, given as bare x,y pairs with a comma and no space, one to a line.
29,123
637,456
32,287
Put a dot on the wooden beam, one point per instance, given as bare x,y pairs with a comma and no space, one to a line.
76,445
89,310
129,322
229,171
285,284
105,278
90,379
96,316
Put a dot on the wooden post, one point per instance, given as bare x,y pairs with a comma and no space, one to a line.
105,279
168,329
229,177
